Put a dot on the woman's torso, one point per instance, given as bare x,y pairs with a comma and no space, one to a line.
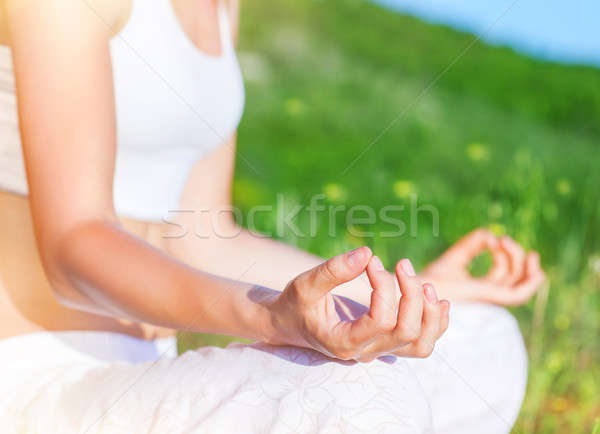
174,104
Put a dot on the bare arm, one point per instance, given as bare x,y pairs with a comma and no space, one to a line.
514,278
407,327
67,120
214,242
208,243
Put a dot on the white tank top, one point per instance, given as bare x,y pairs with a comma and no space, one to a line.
174,105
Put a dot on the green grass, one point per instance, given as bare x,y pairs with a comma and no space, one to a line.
500,140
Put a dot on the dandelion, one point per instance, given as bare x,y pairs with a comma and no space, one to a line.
555,362
354,236
404,188
335,192
248,192
559,404
562,322
563,187
478,152
497,229
294,106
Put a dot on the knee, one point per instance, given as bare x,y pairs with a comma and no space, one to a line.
492,329
494,337
486,321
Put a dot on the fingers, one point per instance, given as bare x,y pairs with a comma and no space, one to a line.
445,316
523,290
421,319
382,314
315,283
509,263
384,306
532,280
471,245
432,315
516,259
436,315
409,320
500,265
410,310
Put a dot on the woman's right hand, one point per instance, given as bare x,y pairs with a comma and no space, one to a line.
306,314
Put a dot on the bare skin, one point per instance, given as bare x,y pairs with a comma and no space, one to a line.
27,301
67,262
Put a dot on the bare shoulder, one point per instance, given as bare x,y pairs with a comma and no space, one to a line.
113,14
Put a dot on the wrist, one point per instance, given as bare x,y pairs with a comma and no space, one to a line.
263,320
277,323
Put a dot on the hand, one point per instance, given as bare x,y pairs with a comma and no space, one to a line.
306,314
512,280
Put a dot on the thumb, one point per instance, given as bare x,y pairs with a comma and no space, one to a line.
317,282
471,245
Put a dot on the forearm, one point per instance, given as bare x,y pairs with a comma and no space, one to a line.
102,268
275,263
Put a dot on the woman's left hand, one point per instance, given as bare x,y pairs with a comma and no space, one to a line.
513,279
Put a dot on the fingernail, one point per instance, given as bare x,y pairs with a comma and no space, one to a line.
407,267
352,256
377,264
430,293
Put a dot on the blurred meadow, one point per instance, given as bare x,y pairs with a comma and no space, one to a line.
499,140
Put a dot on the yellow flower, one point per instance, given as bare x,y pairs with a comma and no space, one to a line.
497,229
355,236
294,106
555,362
563,186
478,152
559,404
335,192
248,192
404,188
562,322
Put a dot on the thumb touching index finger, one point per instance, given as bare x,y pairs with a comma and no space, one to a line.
471,245
340,269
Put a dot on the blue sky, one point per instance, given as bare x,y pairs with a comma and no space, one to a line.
566,31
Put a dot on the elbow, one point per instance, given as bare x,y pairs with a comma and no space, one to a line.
63,290
61,278
64,262
68,298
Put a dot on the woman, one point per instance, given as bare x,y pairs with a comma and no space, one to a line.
127,110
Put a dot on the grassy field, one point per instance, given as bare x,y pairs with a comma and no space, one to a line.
499,140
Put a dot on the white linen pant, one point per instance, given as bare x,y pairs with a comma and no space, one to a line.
100,382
